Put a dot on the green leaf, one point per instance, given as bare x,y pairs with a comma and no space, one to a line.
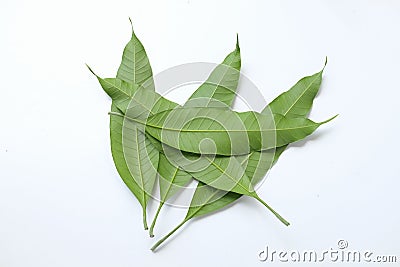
134,69
221,84
290,130
129,146
141,104
135,167
259,162
186,128
117,148
135,66
141,158
297,101
225,132
120,91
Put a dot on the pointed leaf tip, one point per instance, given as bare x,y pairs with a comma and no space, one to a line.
237,41
326,62
91,70
130,20
328,120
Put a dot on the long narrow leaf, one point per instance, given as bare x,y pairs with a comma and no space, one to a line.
228,133
296,102
220,86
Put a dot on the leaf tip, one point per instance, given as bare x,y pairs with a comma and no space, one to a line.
130,21
325,63
330,119
90,69
237,42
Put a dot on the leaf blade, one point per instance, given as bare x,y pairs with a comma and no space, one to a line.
298,100
187,128
135,66
290,110
221,84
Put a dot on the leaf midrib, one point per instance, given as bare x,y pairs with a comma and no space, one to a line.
118,87
170,184
211,130
140,166
301,95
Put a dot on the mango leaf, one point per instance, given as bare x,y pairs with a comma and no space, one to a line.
120,91
141,158
117,148
225,132
134,69
139,153
297,101
135,66
221,85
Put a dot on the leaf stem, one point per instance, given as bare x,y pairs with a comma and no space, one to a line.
159,242
272,210
145,219
116,113
155,219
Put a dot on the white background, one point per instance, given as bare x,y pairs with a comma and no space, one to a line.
61,200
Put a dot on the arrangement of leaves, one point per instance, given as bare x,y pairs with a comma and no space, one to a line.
226,152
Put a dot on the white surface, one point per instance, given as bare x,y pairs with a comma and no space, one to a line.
61,201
